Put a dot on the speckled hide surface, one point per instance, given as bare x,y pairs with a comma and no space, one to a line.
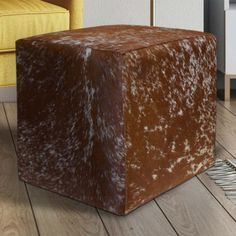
114,116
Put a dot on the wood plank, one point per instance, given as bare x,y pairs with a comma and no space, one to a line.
203,218
232,152
218,210
11,112
229,105
226,128
192,210
16,217
57,215
215,189
226,121
147,220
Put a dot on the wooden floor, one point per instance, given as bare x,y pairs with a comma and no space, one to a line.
197,207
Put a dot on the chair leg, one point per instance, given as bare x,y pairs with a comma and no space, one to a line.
227,88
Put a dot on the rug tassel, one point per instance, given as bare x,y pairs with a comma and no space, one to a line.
224,175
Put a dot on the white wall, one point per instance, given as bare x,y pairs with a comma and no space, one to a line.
104,12
188,14
230,39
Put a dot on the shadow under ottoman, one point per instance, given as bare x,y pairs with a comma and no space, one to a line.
115,115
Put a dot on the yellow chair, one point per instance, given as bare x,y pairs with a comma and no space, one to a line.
24,18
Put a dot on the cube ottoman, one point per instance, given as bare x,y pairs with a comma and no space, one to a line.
114,116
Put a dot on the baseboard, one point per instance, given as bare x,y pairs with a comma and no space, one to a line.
7,93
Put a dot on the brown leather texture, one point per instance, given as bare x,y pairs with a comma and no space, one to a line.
115,115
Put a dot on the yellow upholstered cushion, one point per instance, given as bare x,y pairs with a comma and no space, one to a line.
7,69
24,18
76,11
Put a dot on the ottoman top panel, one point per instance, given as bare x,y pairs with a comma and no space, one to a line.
117,38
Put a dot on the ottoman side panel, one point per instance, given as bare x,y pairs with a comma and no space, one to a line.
109,154
70,122
170,115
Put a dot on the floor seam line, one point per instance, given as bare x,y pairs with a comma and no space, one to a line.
167,218
31,205
103,222
26,189
227,109
226,149
234,219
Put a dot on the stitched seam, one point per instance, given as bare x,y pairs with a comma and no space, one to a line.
33,13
